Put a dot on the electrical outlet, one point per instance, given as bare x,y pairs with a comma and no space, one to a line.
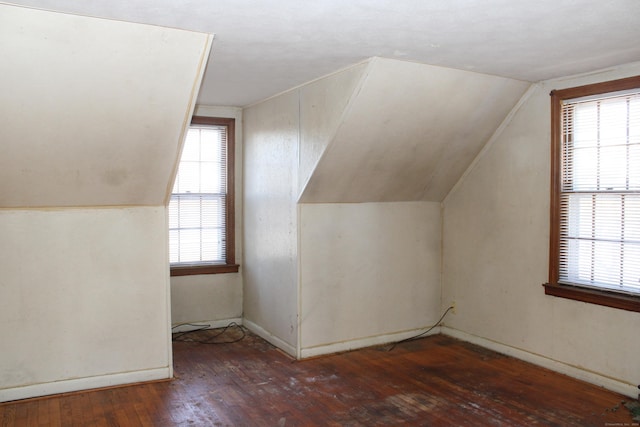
453,307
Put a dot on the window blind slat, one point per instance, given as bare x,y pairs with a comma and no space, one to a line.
197,208
600,193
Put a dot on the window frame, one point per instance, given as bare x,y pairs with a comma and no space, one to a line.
230,265
608,298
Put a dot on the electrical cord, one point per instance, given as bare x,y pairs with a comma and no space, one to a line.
179,336
423,333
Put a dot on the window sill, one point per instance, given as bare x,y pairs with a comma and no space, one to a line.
594,296
204,269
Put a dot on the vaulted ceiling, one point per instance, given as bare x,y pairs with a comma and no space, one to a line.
263,47
92,111
408,132
94,108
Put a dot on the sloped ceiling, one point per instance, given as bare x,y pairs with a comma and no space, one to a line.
264,48
92,111
321,107
409,132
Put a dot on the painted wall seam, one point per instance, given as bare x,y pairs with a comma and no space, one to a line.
345,114
308,83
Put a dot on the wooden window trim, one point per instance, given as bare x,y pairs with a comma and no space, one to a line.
593,296
588,295
230,266
204,269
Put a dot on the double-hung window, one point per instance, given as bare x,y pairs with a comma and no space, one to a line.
595,200
201,209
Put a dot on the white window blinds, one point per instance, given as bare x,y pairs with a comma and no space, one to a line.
198,200
600,192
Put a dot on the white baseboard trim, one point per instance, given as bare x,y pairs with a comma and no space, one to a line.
612,384
208,324
66,386
266,335
363,342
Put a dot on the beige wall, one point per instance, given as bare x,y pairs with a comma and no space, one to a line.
270,257
84,299
92,116
320,278
495,258
284,138
369,273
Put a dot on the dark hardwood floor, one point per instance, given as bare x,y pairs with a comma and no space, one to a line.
434,381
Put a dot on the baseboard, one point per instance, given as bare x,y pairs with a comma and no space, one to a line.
612,384
207,324
66,386
335,347
363,342
267,336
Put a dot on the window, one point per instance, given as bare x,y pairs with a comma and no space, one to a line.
201,210
595,194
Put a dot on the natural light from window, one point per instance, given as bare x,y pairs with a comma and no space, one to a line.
197,206
600,199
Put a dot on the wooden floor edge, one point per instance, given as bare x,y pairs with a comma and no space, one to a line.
560,367
88,390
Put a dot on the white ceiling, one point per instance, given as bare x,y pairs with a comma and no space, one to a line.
263,47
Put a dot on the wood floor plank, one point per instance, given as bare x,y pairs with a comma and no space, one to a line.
8,416
434,381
